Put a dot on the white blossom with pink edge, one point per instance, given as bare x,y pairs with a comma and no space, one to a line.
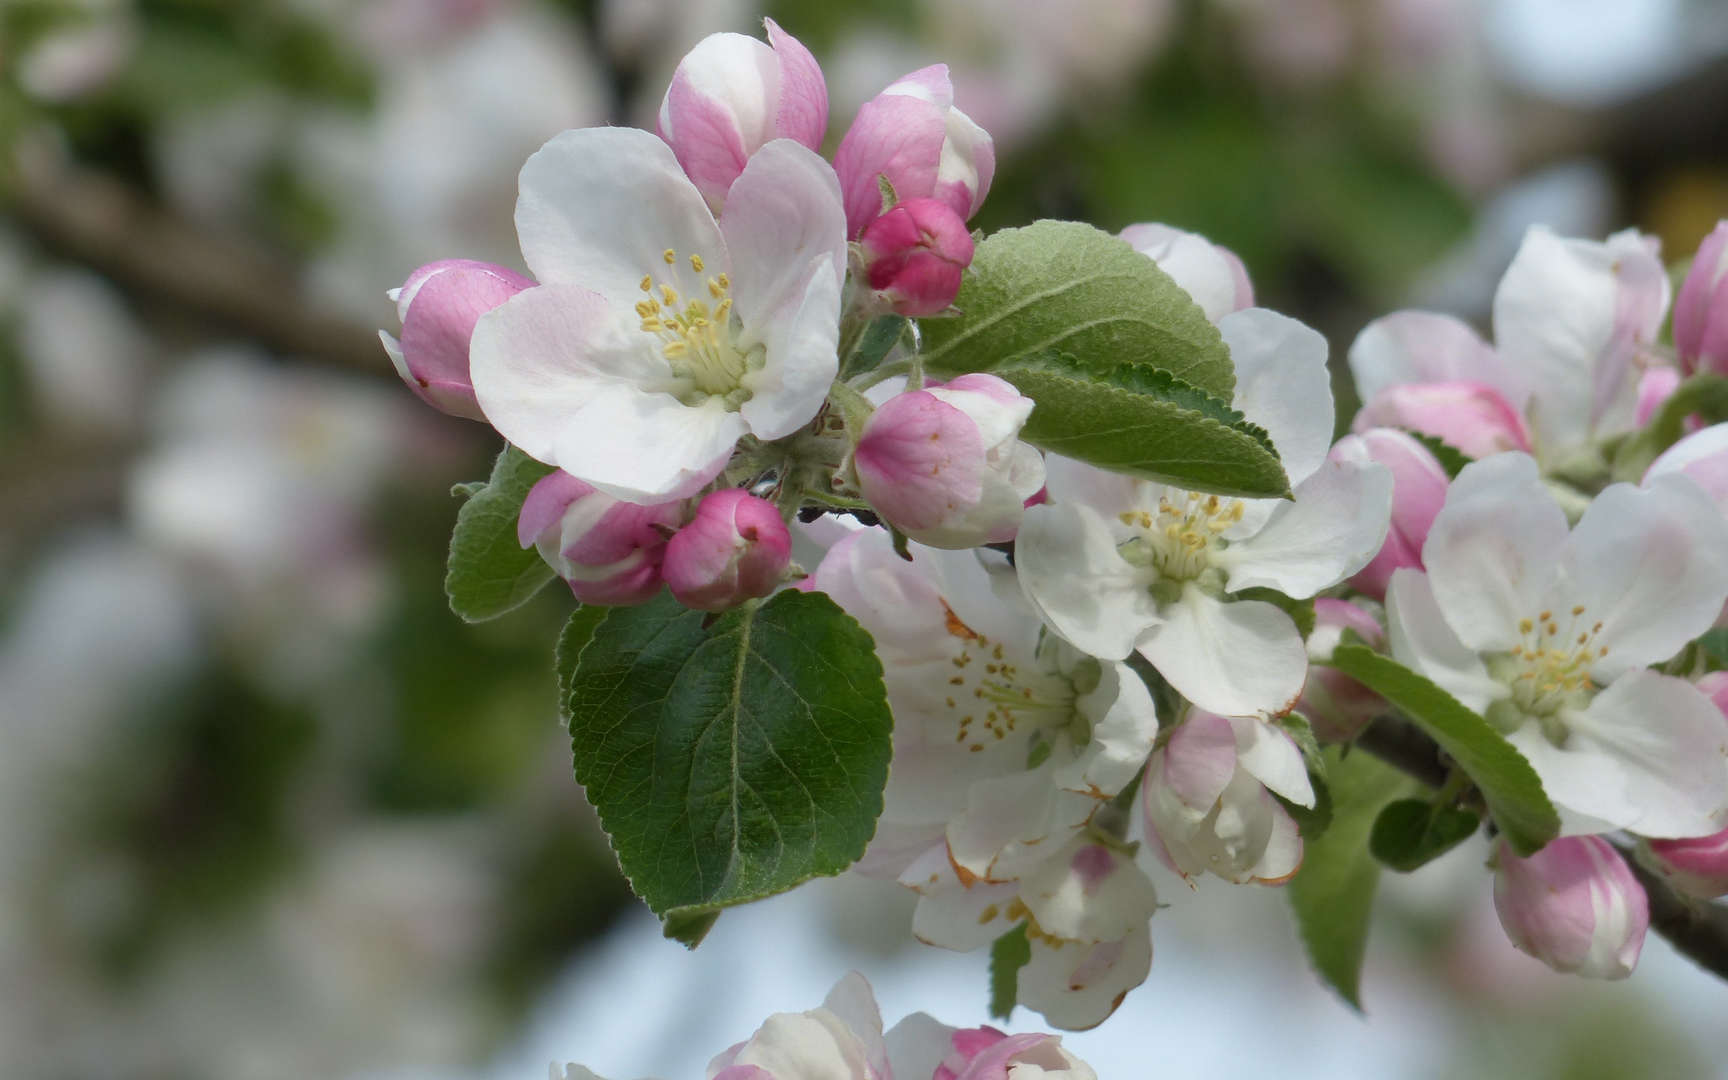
438,306
659,336
1086,906
1696,865
912,134
1575,318
1210,273
1116,564
1006,741
1548,632
731,95
1574,905
1206,810
945,465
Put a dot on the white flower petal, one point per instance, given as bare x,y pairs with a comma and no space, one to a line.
1283,855
1331,529
1427,347
1243,658
1074,577
1423,642
1124,726
798,366
559,378
1273,758
1282,385
918,1045
1086,892
783,224
1650,754
599,207
1077,986
1493,551
1651,565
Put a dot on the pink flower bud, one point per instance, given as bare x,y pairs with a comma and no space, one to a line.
912,134
944,464
737,547
1701,310
1337,706
439,305
1210,273
1655,386
608,551
732,94
1574,905
1418,491
1472,417
914,255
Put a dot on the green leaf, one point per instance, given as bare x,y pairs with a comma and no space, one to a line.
1509,785
876,342
1011,952
1145,423
1704,395
1714,645
1311,821
577,633
728,762
1451,459
1065,286
1333,893
1411,833
490,573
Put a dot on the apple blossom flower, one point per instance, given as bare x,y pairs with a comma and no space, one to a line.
1205,810
1418,490
841,1039
914,255
912,134
1337,706
731,95
1005,741
608,551
1116,564
1574,905
1548,633
735,548
1086,907
1572,317
438,306
658,337
1701,311
1433,374
944,464
1210,273
920,1047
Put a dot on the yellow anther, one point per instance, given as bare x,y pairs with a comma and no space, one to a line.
651,325
1579,610
725,282
1525,626
669,294
670,256
696,263
675,349
647,283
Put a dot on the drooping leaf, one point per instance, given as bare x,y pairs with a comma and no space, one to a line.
1509,785
1411,833
1064,286
1145,423
1333,893
489,572
728,762
1011,952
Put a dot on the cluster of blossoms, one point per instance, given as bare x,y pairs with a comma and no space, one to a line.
1063,645
843,1039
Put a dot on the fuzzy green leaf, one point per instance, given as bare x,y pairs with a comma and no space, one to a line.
1011,952
1065,286
1509,785
732,761
1332,894
489,573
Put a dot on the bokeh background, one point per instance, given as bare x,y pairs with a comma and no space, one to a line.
267,810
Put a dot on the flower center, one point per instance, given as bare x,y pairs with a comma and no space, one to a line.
994,698
1549,669
1179,539
698,337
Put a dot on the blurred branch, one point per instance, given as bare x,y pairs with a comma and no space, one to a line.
101,222
1697,930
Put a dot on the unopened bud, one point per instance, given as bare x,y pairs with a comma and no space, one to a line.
1701,309
609,551
1471,417
944,464
439,305
914,256
1574,905
1418,491
736,548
